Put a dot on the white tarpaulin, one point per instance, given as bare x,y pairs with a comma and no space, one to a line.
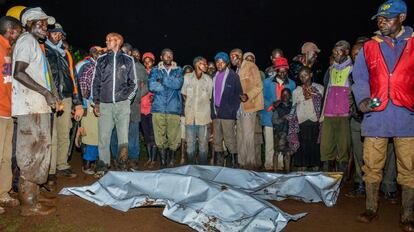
209,198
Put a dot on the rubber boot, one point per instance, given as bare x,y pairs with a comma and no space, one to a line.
342,167
328,166
183,152
149,149
371,204
171,157
163,158
228,160
234,163
286,160
29,194
153,155
218,158
407,205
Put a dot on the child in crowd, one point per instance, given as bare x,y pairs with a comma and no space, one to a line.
87,139
281,110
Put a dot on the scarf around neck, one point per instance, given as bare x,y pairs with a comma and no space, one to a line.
57,47
343,65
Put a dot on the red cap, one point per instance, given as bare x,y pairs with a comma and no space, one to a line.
148,55
280,62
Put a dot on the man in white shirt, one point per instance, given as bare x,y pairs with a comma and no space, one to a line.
32,100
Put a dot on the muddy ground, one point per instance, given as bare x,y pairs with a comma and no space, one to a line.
77,215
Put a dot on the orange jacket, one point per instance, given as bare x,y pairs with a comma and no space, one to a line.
5,77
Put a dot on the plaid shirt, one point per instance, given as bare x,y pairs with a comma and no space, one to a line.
85,80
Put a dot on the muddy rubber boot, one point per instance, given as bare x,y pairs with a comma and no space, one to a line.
183,152
371,204
123,158
163,158
29,193
171,157
407,207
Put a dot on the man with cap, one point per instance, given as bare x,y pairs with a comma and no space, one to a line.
32,100
308,58
165,81
224,105
10,29
336,132
252,102
63,75
272,91
384,71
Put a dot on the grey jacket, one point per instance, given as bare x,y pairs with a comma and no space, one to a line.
142,82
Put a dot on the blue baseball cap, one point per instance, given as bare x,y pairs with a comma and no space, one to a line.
391,9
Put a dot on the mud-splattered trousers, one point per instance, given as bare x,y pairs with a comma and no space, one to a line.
34,143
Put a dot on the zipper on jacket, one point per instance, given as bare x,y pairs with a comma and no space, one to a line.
113,81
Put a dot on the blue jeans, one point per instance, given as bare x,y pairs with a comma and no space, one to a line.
192,134
133,142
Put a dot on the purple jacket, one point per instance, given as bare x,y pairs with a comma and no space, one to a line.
394,121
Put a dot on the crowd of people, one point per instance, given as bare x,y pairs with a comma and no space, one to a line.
208,113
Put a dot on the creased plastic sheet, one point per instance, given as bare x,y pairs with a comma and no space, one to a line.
208,198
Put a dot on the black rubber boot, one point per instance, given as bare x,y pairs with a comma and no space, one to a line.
171,157
163,158
149,149
234,162
218,156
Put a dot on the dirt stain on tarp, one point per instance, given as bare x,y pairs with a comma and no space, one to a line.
148,202
210,225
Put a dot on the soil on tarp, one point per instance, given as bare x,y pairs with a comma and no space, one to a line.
77,215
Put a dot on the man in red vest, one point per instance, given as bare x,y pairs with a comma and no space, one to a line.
384,70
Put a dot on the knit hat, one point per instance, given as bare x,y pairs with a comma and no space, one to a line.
148,55
222,56
310,47
248,54
280,62
36,14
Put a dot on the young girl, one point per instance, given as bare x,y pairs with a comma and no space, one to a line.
146,117
307,101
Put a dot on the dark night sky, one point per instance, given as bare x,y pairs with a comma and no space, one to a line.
194,27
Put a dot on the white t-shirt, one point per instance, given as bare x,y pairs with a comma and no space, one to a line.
26,101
